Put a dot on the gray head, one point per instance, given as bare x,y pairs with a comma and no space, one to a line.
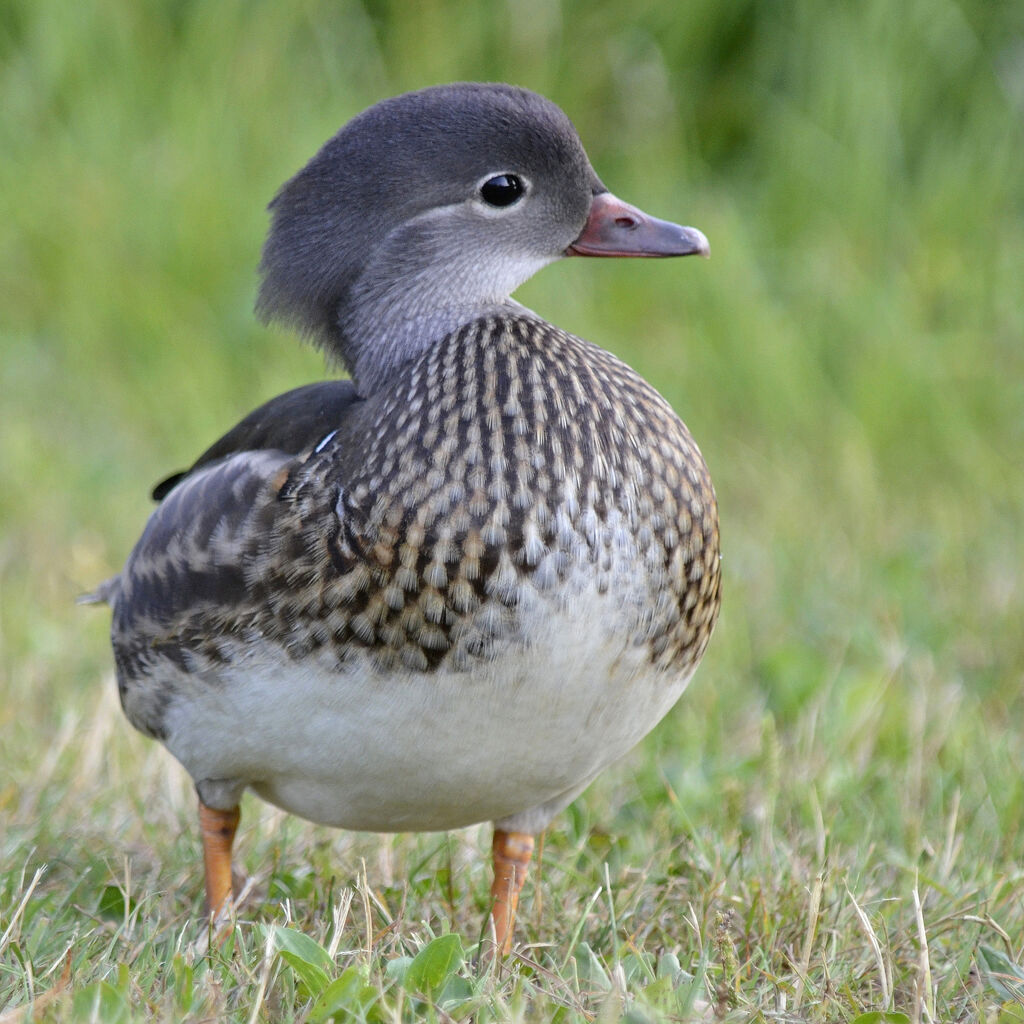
427,211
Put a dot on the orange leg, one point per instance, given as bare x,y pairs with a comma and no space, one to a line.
218,829
512,852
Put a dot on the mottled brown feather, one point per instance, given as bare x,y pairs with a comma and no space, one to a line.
506,457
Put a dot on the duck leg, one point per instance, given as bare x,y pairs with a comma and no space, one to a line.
218,831
511,852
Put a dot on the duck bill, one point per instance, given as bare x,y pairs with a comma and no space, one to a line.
615,228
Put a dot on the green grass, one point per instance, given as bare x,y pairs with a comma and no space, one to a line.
831,822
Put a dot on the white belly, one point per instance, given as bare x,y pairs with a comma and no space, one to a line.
420,751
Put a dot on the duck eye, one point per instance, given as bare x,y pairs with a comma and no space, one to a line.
502,190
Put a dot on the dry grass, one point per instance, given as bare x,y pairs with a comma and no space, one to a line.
774,906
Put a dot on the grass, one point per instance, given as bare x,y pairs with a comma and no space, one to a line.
830,823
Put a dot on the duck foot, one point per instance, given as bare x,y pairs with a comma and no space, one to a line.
218,832
511,852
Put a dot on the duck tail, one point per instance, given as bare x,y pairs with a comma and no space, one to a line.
103,594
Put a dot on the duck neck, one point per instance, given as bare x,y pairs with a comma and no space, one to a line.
378,331
415,289
374,349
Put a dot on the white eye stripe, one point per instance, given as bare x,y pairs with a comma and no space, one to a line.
324,443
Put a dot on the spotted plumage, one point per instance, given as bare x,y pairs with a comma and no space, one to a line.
458,587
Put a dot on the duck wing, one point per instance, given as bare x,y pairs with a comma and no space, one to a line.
289,423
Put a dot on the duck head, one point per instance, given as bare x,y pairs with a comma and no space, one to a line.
427,211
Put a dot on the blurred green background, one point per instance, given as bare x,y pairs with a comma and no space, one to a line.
851,359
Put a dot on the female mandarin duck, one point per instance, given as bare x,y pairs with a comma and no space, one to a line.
458,586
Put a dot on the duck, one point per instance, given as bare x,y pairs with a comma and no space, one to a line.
455,586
